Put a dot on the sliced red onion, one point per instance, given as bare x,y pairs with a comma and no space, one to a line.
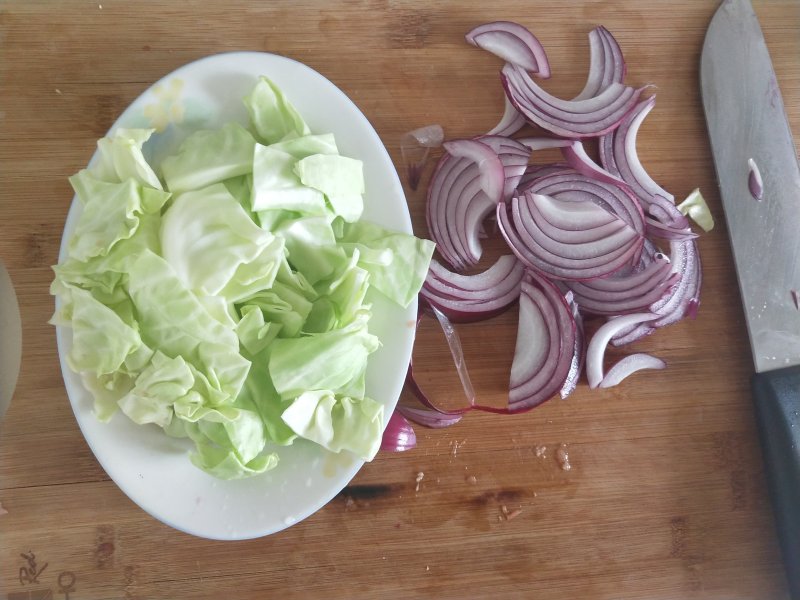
683,299
618,154
535,172
634,292
415,146
575,239
513,43
428,417
576,157
754,181
606,64
578,355
399,435
664,210
665,232
447,197
685,260
599,341
537,143
571,185
492,175
511,122
569,118
466,298
545,345
457,198
630,365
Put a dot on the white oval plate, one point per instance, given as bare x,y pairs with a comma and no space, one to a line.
153,469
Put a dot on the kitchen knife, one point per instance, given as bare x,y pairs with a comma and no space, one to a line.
746,120
10,340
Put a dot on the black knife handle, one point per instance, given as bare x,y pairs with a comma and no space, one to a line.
777,402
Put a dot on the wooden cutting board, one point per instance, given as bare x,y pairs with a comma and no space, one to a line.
665,497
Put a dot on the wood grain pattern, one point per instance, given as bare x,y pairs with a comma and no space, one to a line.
666,496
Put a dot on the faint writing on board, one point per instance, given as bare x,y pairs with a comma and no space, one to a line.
29,575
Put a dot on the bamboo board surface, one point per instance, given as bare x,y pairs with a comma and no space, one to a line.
665,497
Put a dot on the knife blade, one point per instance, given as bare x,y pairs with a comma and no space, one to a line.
747,122
10,339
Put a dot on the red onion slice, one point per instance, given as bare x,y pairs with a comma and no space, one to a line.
536,143
511,122
618,154
633,293
606,63
466,298
399,435
754,180
630,365
428,417
545,345
458,201
576,157
665,232
536,172
571,185
566,256
569,118
492,175
578,355
513,43
599,341
415,146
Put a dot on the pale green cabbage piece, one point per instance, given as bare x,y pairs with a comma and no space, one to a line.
696,208
340,178
277,186
209,156
322,361
228,306
337,422
272,115
111,213
215,248
400,278
121,158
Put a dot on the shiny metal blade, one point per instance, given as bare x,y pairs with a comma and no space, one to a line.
746,120
10,339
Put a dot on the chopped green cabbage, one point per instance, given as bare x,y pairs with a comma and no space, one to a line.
696,208
226,301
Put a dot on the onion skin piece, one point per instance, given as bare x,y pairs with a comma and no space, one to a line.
399,435
597,345
513,43
415,146
630,365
